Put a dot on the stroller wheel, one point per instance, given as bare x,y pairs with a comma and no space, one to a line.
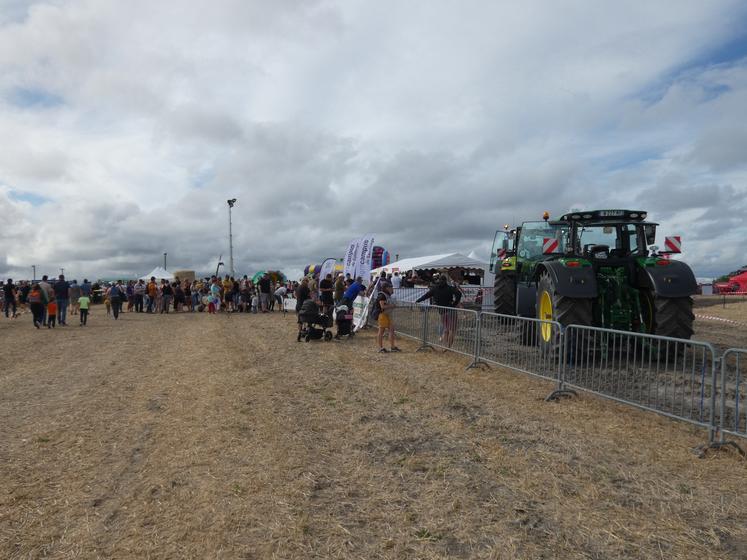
327,336
298,338
307,337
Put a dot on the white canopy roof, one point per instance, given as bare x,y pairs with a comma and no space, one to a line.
159,273
448,260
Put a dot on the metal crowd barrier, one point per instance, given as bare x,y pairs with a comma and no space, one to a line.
733,393
682,379
527,345
676,378
451,329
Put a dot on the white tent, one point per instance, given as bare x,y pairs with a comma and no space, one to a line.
159,273
446,261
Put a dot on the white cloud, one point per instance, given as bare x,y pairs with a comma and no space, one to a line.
430,123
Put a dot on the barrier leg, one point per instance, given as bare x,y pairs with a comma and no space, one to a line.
424,335
562,357
476,362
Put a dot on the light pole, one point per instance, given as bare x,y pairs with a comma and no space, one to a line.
231,202
33,267
164,261
62,271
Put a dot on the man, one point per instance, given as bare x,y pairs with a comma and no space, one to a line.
48,295
396,280
264,292
139,293
9,297
280,295
326,295
353,292
444,296
152,294
74,297
62,295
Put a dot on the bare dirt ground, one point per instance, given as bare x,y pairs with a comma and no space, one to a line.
731,333
189,436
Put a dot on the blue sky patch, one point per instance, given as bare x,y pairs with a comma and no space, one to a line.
35,98
31,198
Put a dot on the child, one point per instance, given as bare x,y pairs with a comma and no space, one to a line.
212,301
108,304
84,302
51,313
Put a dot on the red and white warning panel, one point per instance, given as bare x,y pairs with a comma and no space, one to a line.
549,245
673,244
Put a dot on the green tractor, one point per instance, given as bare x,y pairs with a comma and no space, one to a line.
592,268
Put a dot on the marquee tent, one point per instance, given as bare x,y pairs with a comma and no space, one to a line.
433,262
159,273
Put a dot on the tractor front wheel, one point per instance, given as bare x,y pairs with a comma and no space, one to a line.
504,294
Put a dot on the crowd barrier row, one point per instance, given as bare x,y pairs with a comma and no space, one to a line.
686,380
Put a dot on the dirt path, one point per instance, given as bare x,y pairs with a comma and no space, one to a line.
215,437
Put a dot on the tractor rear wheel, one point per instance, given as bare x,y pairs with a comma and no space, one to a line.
551,306
504,294
671,317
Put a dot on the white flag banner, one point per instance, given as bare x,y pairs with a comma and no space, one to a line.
350,258
365,254
362,307
328,267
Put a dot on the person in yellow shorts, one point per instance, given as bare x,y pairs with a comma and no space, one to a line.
383,308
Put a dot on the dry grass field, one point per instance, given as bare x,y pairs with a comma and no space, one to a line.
731,333
188,436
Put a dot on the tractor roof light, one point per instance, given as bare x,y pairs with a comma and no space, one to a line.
576,216
634,215
546,215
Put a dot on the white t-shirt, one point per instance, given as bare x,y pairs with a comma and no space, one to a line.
395,280
281,291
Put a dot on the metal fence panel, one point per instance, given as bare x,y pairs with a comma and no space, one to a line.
670,376
408,320
527,345
733,392
450,328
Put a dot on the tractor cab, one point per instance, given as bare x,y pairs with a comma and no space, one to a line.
609,237
504,247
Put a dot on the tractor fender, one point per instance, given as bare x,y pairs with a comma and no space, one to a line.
578,282
674,280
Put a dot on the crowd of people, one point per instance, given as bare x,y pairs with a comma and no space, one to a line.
50,302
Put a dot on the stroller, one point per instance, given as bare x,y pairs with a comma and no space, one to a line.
344,320
314,325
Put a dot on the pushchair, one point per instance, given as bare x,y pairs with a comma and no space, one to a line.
344,320
314,325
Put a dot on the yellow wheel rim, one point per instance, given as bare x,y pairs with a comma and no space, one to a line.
545,313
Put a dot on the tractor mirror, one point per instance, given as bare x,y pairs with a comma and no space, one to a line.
649,231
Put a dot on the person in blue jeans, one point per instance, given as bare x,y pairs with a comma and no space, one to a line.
62,295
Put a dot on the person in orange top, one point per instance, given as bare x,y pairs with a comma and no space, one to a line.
152,294
51,313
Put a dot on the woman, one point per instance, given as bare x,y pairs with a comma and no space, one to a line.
35,300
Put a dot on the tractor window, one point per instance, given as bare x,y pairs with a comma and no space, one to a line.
631,232
533,235
591,237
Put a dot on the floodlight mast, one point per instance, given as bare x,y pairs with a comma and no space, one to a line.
231,202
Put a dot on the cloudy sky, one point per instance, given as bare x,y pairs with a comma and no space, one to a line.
126,125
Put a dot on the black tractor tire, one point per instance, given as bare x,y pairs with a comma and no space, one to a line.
504,294
673,317
565,310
